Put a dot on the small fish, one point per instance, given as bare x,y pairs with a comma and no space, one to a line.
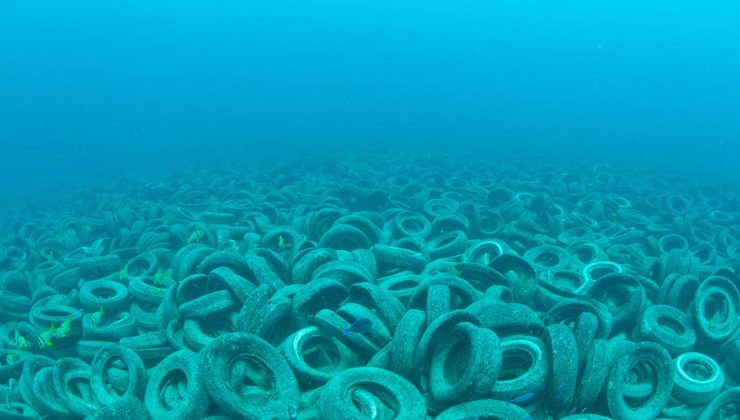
64,329
50,256
44,339
160,276
153,291
574,409
122,273
522,398
195,237
11,358
359,326
280,243
21,342
449,269
97,316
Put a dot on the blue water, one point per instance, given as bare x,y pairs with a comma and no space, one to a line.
92,87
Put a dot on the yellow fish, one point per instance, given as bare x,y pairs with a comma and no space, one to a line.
11,358
161,275
195,237
280,243
44,339
21,342
64,329
122,273
97,316
449,269
153,291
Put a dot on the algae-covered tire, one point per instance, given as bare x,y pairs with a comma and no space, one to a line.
175,389
72,385
466,364
128,407
393,257
525,366
667,326
484,409
109,387
113,297
356,393
646,356
729,399
716,294
231,360
563,350
699,379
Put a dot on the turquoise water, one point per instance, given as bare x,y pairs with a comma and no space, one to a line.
88,85
473,209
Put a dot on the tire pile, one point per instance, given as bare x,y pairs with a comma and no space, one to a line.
406,287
